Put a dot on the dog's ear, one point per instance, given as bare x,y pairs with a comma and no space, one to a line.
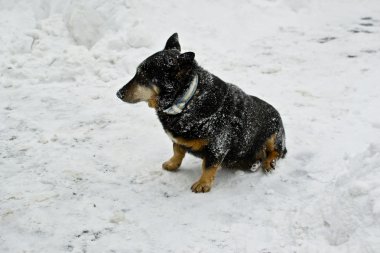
186,59
173,43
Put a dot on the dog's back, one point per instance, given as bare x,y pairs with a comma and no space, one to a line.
254,121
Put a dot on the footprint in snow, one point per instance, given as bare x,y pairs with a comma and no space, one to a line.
369,51
366,24
326,39
358,30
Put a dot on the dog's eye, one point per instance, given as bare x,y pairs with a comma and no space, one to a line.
169,62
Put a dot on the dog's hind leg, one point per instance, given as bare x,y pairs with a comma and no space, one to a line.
271,154
205,182
173,163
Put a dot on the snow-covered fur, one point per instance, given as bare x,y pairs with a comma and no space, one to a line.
238,130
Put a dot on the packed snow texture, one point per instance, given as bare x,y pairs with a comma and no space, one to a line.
80,171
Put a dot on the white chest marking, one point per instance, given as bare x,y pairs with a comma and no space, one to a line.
171,137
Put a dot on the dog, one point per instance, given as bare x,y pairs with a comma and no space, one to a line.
205,116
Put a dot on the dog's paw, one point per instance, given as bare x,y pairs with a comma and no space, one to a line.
201,186
269,166
170,165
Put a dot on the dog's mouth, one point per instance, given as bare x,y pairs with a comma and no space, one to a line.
134,101
126,98
136,93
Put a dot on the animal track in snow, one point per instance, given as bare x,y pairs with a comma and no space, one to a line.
326,39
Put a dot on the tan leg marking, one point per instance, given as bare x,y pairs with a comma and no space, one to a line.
261,154
205,182
173,163
271,155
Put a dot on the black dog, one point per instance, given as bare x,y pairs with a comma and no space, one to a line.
205,116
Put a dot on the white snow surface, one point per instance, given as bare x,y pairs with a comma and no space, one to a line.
80,171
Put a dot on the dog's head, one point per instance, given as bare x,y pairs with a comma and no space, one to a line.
162,73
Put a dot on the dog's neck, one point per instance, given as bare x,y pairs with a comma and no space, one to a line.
180,103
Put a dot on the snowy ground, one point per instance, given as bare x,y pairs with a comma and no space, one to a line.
80,171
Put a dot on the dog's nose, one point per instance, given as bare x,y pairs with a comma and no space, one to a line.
119,95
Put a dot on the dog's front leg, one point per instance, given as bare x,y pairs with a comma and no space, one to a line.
173,163
212,161
208,175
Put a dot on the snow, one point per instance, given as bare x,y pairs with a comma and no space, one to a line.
80,171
